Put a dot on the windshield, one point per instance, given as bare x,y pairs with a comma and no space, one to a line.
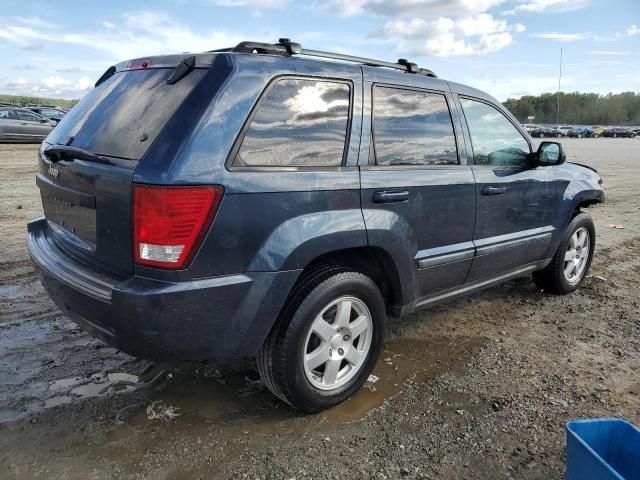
124,115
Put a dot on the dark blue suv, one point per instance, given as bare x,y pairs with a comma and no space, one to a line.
262,201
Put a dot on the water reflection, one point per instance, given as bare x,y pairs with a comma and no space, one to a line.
412,128
495,140
299,122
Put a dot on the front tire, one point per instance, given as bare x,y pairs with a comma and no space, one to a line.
326,342
572,260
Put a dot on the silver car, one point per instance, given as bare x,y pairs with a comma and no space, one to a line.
21,125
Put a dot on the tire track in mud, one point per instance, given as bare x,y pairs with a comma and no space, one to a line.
22,298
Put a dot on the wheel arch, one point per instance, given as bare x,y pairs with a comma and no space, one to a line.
374,262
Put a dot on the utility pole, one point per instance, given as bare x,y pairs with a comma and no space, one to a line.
559,80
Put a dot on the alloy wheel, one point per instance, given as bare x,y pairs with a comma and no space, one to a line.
577,255
338,343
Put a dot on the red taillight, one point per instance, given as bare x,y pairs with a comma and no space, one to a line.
169,222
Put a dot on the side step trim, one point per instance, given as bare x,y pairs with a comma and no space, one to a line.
471,287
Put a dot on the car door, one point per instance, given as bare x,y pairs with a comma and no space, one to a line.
32,126
9,125
515,198
418,194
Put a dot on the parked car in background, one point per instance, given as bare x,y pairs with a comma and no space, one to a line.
22,125
580,132
52,113
619,132
247,204
543,132
597,131
564,130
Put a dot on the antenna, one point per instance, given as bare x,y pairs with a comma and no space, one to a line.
559,80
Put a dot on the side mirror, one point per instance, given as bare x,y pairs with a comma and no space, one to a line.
43,120
550,153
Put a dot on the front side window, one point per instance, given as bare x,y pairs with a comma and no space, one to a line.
31,117
495,140
412,128
299,123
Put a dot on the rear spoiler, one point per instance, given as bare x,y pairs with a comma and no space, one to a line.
183,62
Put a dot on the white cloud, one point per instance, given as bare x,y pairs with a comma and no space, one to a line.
50,86
421,8
607,52
251,3
106,24
35,22
24,66
473,35
537,6
141,33
562,37
633,30
519,85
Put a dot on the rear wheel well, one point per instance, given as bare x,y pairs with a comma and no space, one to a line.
374,262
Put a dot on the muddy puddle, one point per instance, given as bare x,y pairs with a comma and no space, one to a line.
234,411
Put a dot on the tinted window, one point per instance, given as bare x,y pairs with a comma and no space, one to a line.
5,114
412,128
112,117
494,138
32,117
299,122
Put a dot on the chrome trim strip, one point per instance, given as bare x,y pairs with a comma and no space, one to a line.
447,254
462,251
472,287
448,258
518,242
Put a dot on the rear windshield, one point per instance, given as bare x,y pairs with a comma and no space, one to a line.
133,105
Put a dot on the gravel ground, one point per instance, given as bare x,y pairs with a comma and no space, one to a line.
477,388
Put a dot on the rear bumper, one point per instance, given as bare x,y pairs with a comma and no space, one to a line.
222,317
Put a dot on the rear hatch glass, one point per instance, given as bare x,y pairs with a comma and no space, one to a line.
88,203
124,115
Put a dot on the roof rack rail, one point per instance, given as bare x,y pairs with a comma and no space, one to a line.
287,47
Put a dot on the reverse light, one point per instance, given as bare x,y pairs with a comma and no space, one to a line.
169,222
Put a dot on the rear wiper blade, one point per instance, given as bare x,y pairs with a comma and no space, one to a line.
62,152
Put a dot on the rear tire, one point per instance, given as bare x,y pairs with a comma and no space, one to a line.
326,341
572,260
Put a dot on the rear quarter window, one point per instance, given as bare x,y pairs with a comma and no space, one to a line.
113,117
299,122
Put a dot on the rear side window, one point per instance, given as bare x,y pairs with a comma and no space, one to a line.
123,116
412,128
299,123
494,139
5,114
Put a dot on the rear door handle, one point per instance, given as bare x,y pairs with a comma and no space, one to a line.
390,196
494,190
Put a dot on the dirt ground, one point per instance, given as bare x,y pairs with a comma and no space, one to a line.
477,388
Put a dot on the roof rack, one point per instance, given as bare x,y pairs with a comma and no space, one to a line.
287,47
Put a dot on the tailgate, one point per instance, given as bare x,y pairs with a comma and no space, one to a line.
87,203
88,210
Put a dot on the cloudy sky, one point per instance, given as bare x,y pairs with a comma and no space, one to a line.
506,47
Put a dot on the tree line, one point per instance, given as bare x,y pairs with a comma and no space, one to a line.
21,99
578,108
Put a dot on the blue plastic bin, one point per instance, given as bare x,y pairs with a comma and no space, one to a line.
603,449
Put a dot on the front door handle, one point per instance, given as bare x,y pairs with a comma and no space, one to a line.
390,196
494,190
